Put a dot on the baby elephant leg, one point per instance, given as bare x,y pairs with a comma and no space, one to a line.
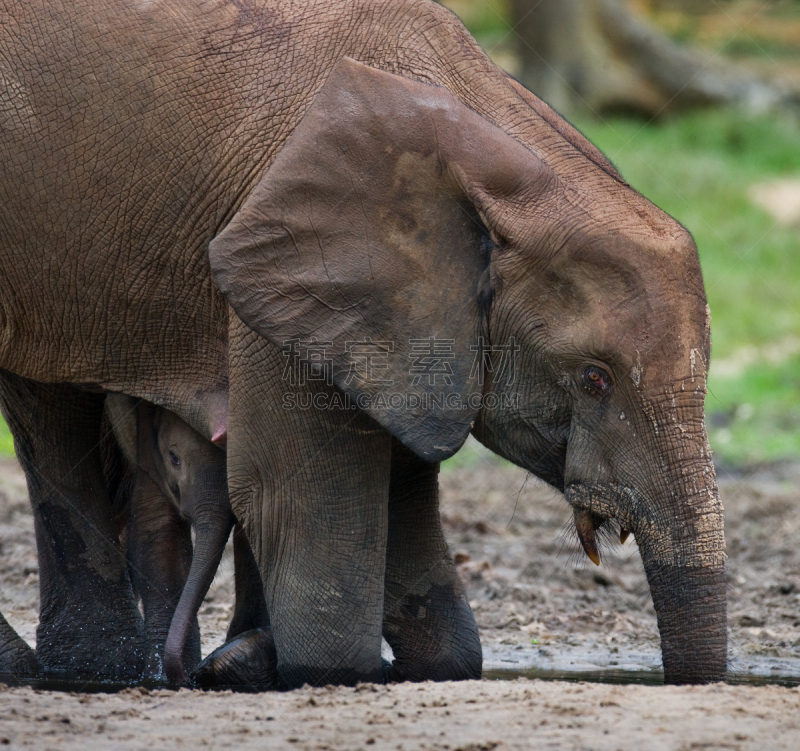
160,555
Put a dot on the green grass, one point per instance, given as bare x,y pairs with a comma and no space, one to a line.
759,418
698,168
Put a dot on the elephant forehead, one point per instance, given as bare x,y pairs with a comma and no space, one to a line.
622,310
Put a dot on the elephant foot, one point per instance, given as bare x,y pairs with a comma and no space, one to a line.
16,657
122,661
154,666
453,653
94,640
455,667
247,663
434,636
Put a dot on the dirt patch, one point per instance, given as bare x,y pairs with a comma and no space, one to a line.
472,716
19,569
539,603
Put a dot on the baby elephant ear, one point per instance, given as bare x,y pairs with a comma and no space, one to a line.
149,460
362,254
134,423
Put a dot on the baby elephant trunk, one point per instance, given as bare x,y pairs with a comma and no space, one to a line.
213,523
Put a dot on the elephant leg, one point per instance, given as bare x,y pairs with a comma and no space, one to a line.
427,620
16,657
88,621
311,488
250,611
160,555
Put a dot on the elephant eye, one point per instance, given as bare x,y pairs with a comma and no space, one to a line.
596,380
174,458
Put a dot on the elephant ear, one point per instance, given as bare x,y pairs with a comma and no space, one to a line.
363,251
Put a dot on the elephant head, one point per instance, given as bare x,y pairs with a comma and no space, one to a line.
527,295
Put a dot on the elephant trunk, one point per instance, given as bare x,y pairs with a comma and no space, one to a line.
691,607
678,525
683,551
213,523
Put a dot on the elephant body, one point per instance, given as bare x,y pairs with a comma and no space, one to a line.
192,191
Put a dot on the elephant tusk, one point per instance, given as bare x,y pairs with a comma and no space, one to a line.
623,535
585,524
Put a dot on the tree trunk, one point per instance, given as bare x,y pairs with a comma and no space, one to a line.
594,55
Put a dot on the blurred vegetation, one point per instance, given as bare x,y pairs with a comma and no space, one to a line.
741,29
6,442
738,28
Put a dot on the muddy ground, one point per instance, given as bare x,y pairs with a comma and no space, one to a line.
541,606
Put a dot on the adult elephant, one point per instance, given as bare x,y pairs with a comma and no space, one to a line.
196,191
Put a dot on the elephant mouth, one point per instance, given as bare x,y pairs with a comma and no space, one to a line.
587,525
606,512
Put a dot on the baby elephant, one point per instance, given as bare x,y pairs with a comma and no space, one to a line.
180,477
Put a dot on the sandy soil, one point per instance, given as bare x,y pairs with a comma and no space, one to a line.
541,606
474,716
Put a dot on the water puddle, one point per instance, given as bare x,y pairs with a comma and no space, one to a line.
636,677
73,685
596,663
642,677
